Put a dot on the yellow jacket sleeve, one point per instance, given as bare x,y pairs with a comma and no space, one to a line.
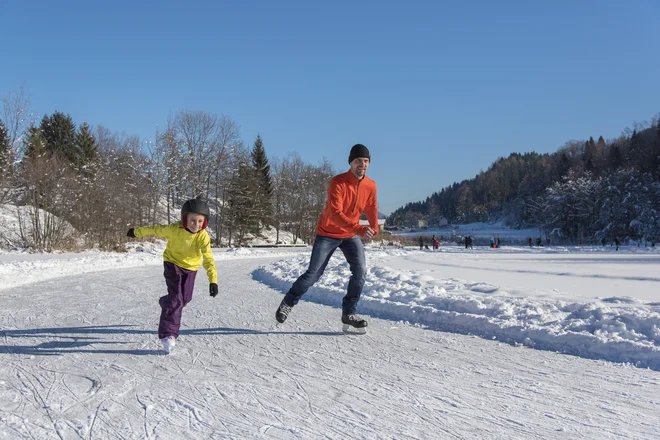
209,262
162,231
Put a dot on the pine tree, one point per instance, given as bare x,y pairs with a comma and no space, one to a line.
35,143
635,150
245,212
5,158
616,158
465,205
264,182
563,165
85,145
655,155
60,134
588,156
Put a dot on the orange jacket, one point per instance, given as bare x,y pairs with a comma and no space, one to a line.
348,197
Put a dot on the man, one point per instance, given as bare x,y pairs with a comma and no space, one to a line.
349,194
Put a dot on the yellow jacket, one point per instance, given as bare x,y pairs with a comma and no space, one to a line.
184,248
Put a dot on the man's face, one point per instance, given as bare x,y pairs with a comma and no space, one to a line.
359,166
194,222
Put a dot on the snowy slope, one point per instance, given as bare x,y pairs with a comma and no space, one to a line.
80,359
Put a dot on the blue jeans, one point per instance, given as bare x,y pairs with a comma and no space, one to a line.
322,250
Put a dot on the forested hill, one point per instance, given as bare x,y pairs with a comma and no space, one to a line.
586,191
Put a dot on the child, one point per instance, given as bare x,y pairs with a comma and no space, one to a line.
188,244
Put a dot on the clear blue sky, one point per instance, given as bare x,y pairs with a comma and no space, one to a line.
437,90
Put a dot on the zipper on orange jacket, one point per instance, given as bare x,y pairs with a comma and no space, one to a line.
357,190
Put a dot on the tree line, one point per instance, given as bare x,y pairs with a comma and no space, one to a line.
587,191
82,186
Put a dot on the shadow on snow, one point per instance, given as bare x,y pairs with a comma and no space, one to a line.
73,339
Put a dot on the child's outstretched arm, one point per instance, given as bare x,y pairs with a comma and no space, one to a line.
162,231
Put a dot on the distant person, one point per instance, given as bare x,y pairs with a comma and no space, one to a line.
188,247
421,243
539,242
349,194
435,242
470,241
497,242
617,243
603,242
467,241
492,242
529,240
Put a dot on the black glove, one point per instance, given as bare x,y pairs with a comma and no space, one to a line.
213,289
131,233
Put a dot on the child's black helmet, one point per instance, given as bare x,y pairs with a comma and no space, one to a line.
196,206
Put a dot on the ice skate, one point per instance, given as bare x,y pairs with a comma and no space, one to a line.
354,324
282,312
168,344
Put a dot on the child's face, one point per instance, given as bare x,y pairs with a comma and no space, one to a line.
194,222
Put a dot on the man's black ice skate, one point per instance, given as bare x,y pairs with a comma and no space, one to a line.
354,324
282,312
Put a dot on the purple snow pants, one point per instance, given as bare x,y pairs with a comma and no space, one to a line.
180,283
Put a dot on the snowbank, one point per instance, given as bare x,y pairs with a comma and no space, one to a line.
15,235
624,330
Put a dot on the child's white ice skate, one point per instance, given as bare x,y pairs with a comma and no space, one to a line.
168,344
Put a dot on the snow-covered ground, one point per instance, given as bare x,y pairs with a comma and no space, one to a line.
482,343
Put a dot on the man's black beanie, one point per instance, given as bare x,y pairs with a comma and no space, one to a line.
359,150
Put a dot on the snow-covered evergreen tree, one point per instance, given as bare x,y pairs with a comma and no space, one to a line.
264,183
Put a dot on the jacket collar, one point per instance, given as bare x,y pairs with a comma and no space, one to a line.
351,177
